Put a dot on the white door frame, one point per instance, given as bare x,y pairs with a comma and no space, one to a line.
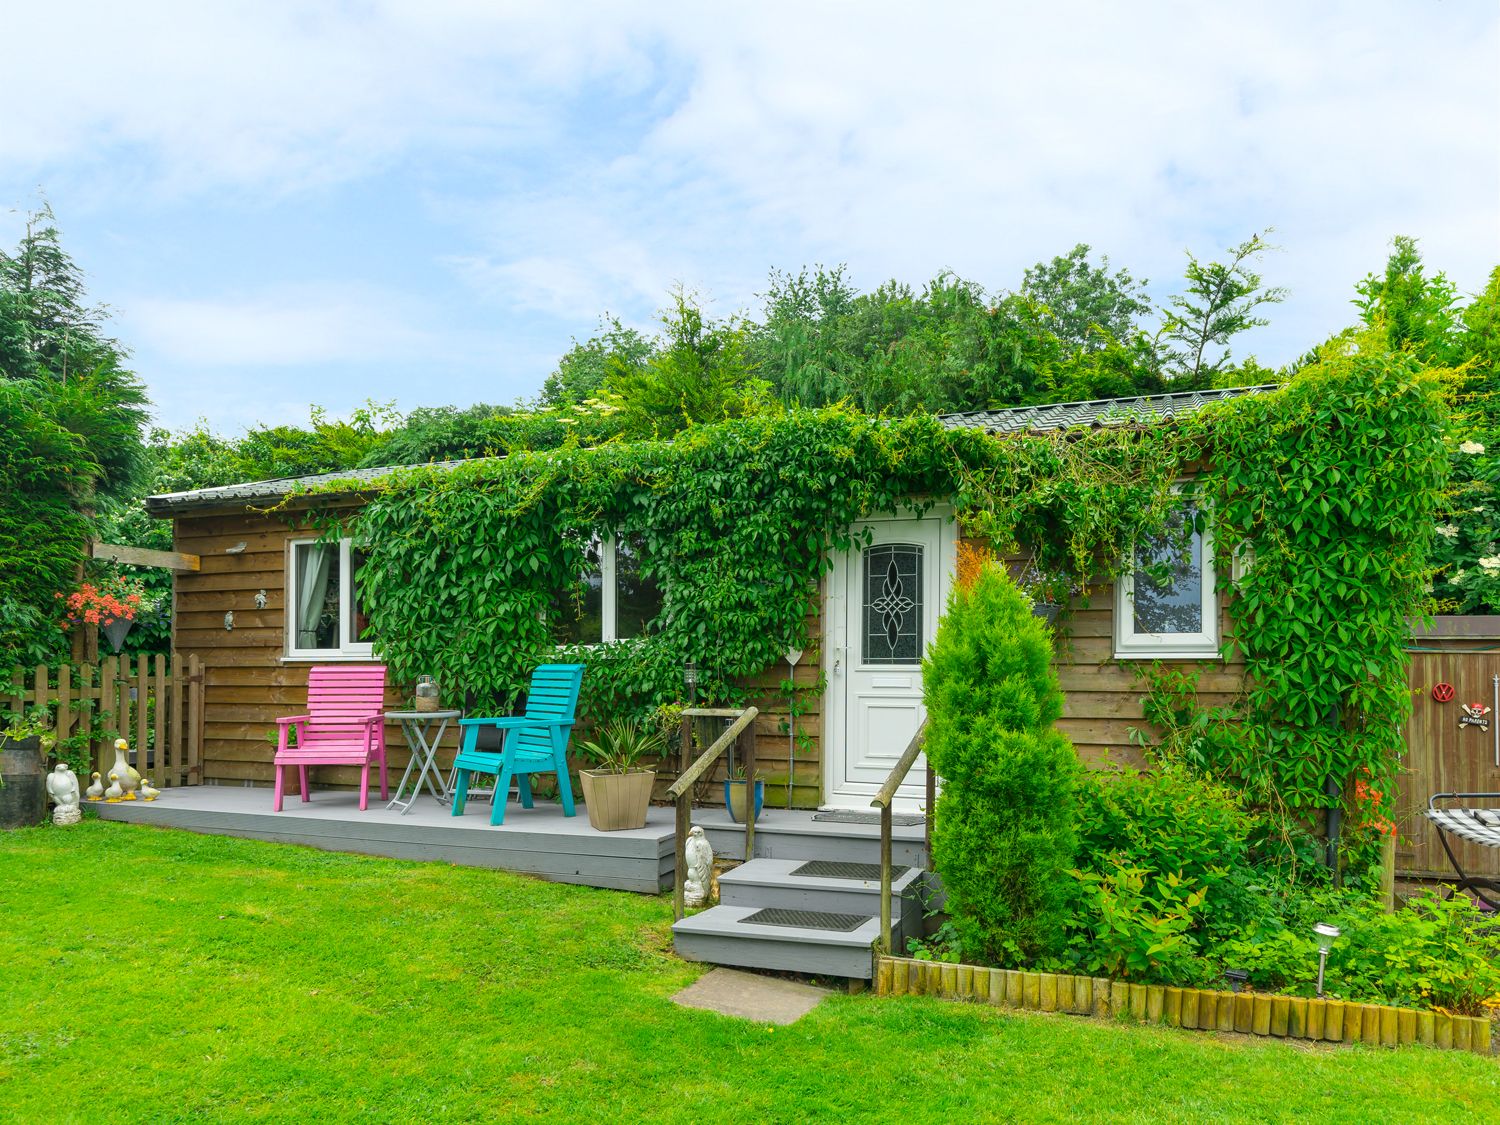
836,645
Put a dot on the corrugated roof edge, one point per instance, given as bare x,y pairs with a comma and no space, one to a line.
1098,412
171,503
1046,416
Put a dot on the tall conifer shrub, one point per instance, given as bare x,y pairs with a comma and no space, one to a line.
1004,832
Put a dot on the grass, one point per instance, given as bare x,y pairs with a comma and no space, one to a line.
157,975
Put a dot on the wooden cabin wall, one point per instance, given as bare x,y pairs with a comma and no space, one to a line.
1104,695
249,684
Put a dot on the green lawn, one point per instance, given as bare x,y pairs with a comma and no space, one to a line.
159,975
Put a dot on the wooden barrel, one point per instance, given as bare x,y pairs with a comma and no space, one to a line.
23,798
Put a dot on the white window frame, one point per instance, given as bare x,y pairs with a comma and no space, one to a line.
609,627
348,648
1130,645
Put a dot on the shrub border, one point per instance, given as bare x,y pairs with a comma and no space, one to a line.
1252,1013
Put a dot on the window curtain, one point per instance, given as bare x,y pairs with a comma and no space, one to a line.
314,562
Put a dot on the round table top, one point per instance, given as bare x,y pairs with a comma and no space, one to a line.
423,714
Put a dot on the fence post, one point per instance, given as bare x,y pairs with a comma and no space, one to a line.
142,715
159,719
63,727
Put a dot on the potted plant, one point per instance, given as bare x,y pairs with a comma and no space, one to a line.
735,795
618,790
24,746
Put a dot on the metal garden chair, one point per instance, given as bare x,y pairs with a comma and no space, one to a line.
1478,826
536,742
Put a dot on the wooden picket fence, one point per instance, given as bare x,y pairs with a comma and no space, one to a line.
156,704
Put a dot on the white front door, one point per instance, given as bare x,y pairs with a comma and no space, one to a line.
883,604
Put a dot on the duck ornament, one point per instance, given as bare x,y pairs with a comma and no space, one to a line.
114,794
62,787
95,791
129,780
147,792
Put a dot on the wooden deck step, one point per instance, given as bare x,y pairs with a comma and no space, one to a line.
821,943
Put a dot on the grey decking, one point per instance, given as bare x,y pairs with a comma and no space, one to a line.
539,841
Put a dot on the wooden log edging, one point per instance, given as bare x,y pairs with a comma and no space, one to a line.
1254,1013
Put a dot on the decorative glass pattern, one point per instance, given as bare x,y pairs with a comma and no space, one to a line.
893,604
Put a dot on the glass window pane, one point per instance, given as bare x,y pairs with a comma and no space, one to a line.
893,604
578,614
361,624
315,615
637,597
1169,580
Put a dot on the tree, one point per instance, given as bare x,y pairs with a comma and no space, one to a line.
1090,308
1419,313
70,420
700,372
586,367
1219,304
1005,831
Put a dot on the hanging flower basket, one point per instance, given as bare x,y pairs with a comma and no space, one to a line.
114,605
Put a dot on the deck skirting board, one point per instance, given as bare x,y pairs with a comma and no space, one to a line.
554,848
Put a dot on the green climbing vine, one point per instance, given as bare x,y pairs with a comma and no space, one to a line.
1328,485
1326,492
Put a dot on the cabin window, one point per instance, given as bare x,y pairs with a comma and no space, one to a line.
324,617
616,599
1165,605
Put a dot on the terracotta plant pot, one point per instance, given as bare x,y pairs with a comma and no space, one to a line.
23,797
617,801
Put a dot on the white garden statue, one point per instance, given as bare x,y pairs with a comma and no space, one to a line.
122,773
700,867
62,787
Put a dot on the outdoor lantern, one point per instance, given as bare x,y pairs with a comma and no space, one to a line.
1326,935
690,680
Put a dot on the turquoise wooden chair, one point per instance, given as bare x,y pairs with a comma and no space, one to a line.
536,742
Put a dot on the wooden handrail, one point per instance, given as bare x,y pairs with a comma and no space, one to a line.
902,767
882,801
681,790
690,775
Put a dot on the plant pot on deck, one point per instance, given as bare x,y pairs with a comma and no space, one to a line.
23,797
734,799
616,801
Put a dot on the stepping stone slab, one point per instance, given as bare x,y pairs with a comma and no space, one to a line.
750,996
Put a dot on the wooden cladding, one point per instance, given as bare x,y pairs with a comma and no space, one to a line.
153,703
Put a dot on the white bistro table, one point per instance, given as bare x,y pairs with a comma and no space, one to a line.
417,726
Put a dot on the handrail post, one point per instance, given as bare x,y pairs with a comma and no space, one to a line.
684,816
928,811
684,822
885,878
747,758
882,801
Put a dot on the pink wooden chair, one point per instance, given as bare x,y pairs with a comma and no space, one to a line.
344,726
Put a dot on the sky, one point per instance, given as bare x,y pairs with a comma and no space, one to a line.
288,204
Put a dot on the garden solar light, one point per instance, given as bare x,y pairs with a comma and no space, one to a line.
1326,935
1236,978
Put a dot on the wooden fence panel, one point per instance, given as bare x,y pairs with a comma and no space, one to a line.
156,705
1443,757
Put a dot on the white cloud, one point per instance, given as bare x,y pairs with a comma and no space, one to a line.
583,157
